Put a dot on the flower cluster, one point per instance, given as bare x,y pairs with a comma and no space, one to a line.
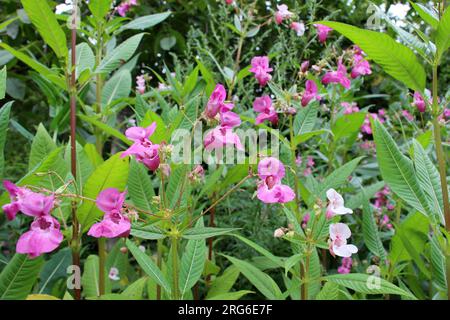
270,189
367,127
338,77
115,222
260,67
44,235
223,134
125,6
142,148
346,266
350,108
140,84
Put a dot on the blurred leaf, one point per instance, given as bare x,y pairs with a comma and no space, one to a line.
146,22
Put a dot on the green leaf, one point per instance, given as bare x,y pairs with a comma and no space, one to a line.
107,129
396,59
443,34
54,269
330,291
305,120
122,53
160,133
370,231
90,278
223,284
148,232
364,283
429,181
85,59
2,83
206,232
263,282
192,262
276,260
230,295
426,14
437,259
18,277
37,66
113,173
41,147
146,22
348,125
147,264
99,8
398,171
119,86
414,253
357,200
4,124
44,19
84,165
135,291
140,187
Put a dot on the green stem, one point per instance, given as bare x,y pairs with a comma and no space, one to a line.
159,247
441,163
101,265
175,289
98,90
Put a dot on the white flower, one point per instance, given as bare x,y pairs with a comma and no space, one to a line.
336,204
339,233
64,7
399,10
114,274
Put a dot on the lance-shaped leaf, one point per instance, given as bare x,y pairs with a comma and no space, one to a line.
370,230
146,22
396,59
443,34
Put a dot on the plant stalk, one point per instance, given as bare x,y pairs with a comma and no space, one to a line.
175,289
101,265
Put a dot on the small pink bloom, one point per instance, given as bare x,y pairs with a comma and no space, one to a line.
336,204
279,233
305,66
346,266
140,84
361,67
276,194
298,160
15,193
123,8
310,93
310,162
139,134
307,172
282,13
260,67
322,32
271,168
144,153
446,113
216,101
339,77
264,106
229,120
419,102
350,108
270,190
339,233
221,137
44,236
407,115
114,274
305,220
299,28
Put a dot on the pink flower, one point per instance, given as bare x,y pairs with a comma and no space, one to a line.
298,27
336,204
346,266
419,102
221,137
264,106
143,149
260,67
279,233
216,102
15,195
229,2
140,84
310,93
407,115
44,236
270,190
125,6
339,76
361,67
385,222
350,108
310,162
282,13
305,66
36,204
305,220
446,113
115,223
307,172
366,127
197,174
339,233
229,120
322,32
298,160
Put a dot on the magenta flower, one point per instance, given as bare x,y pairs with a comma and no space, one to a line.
339,233
338,77
221,137
260,67
44,236
229,120
446,113
125,6
310,93
322,32
361,67
298,27
270,190
305,66
419,102
143,149
16,194
346,266
216,102
140,84
115,223
336,204
407,115
266,110
282,13
350,108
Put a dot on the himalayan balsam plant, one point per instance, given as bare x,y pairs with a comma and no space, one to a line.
114,209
